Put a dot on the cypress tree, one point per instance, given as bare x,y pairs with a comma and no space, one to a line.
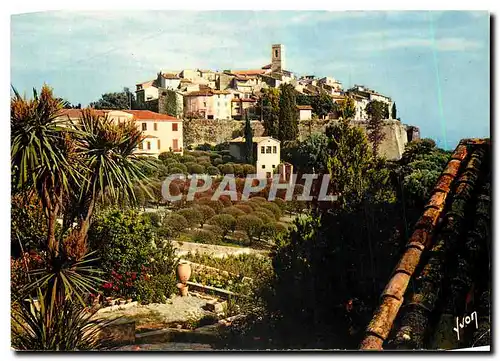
394,112
248,140
288,125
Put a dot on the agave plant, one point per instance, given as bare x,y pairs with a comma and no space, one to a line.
38,325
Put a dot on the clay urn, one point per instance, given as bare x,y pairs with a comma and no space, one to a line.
183,272
183,289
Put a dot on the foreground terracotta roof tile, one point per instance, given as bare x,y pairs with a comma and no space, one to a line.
452,196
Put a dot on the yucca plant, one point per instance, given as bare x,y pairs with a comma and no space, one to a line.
69,165
42,326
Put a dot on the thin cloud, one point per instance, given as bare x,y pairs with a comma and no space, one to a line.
443,44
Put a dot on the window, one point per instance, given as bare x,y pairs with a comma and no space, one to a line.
141,146
175,144
155,126
274,166
263,166
262,150
275,150
204,104
174,127
275,53
159,147
144,126
268,149
148,145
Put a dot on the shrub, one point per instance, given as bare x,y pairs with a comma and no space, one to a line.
225,200
266,211
213,170
216,205
280,203
263,216
177,166
122,239
172,225
28,225
250,224
227,158
194,168
207,212
234,211
156,289
204,146
217,161
204,236
226,168
154,218
192,215
187,159
238,169
248,169
225,222
69,327
244,207
162,171
258,199
274,208
203,159
254,205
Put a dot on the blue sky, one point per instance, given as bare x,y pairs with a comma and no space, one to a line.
435,65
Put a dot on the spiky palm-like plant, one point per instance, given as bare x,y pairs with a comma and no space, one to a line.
39,326
68,165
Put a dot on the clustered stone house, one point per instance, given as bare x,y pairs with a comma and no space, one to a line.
162,132
229,94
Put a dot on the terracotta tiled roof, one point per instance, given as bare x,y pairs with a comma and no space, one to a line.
138,114
77,113
446,261
149,115
147,84
243,100
170,76
248,72
206,93
304,107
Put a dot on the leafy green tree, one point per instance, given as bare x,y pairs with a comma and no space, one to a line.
420,167
311,154
268,107
123,241
323,104
347,108
172,225
349,161
206,213
192,215
377,111
304,99
250,224
288,124
248,140
225,222
120,100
